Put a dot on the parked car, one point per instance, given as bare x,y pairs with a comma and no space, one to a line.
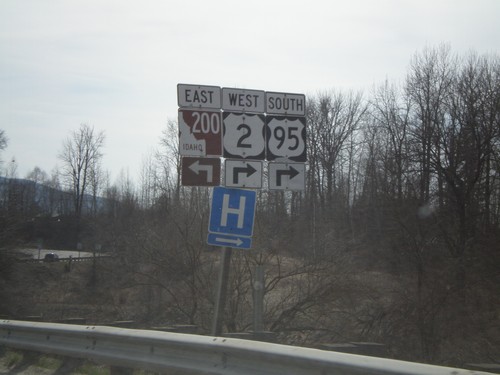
51,257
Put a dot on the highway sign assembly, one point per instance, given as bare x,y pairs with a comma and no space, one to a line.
248,128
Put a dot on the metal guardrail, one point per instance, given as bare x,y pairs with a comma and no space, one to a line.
163,351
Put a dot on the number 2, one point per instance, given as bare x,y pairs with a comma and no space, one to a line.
246,135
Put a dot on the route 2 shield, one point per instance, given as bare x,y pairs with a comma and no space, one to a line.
244,136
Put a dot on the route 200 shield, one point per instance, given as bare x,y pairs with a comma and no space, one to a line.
200,132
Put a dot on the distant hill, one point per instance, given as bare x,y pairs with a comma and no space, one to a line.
46,200
31,212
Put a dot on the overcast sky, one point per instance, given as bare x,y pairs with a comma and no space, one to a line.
115,65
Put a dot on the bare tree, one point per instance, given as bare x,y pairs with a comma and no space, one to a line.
81,156
391,111
338,118
170,160
3,141
428,86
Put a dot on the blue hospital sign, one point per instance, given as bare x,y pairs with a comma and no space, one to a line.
232,214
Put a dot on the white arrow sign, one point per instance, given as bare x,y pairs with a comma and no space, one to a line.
237,241
287,176
197,168
243,173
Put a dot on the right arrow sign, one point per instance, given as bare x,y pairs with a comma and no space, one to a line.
287,176
243,173
217,239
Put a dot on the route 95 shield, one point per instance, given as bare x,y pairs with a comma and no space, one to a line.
286,138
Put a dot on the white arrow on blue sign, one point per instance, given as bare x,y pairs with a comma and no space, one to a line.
232,214
239,242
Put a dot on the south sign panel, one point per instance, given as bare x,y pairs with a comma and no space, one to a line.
282,103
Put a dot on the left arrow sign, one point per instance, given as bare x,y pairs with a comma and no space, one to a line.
197,168
200,171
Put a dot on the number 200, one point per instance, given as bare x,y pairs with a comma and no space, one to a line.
205,122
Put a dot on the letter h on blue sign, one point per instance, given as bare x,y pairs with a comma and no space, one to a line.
232,211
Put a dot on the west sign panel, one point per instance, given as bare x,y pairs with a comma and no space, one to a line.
240,100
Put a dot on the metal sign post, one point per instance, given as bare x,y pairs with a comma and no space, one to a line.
258,299
220,302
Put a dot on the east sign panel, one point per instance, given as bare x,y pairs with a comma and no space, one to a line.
196,96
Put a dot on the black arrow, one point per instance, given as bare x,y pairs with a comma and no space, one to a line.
249,170
292,172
